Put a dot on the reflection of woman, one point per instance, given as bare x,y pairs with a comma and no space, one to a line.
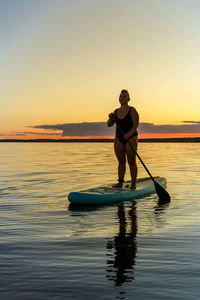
125,248
128,120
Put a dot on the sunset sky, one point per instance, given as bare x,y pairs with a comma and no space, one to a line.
64,63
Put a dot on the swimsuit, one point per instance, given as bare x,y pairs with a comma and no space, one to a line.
125,124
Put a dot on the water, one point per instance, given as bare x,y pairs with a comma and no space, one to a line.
51,250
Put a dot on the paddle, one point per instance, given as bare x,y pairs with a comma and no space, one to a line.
163,195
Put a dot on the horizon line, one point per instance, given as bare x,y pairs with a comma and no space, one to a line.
170,139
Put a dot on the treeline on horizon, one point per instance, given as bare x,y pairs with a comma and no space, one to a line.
151,140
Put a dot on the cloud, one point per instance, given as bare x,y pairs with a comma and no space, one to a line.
192,122
101,129
12,134
15,134
81,129
41,133
192,127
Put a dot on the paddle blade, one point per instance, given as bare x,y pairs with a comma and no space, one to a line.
163,195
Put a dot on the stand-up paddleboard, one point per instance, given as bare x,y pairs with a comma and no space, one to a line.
108,194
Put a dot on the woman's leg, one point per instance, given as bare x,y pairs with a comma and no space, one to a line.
132,160
120,154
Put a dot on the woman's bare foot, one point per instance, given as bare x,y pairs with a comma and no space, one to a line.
118,185
133,186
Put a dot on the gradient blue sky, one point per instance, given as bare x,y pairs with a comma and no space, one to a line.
66,61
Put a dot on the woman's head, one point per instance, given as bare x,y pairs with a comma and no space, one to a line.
124,97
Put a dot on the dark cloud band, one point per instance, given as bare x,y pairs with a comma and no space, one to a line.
101,129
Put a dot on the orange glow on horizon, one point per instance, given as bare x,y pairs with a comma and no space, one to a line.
168,135
60,137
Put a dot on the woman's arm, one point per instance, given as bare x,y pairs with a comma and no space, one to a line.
135,118
111,120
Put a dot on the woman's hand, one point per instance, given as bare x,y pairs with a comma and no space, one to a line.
112,117
111,120
126,136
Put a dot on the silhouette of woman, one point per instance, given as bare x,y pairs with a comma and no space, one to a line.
128,120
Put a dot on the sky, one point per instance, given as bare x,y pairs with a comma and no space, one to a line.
63,64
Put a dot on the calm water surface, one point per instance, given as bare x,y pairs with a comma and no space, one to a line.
51,250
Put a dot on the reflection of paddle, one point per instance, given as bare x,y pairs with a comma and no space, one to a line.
163,195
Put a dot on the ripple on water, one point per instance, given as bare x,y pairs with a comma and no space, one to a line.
52,250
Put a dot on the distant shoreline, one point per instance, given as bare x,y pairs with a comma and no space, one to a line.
153,140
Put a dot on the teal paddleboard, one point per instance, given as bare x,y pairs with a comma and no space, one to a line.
108,194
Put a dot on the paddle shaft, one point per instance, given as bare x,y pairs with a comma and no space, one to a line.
141,160
163,195
136,152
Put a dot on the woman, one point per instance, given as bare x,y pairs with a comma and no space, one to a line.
128,119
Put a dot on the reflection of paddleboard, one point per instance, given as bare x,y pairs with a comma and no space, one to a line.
108,194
